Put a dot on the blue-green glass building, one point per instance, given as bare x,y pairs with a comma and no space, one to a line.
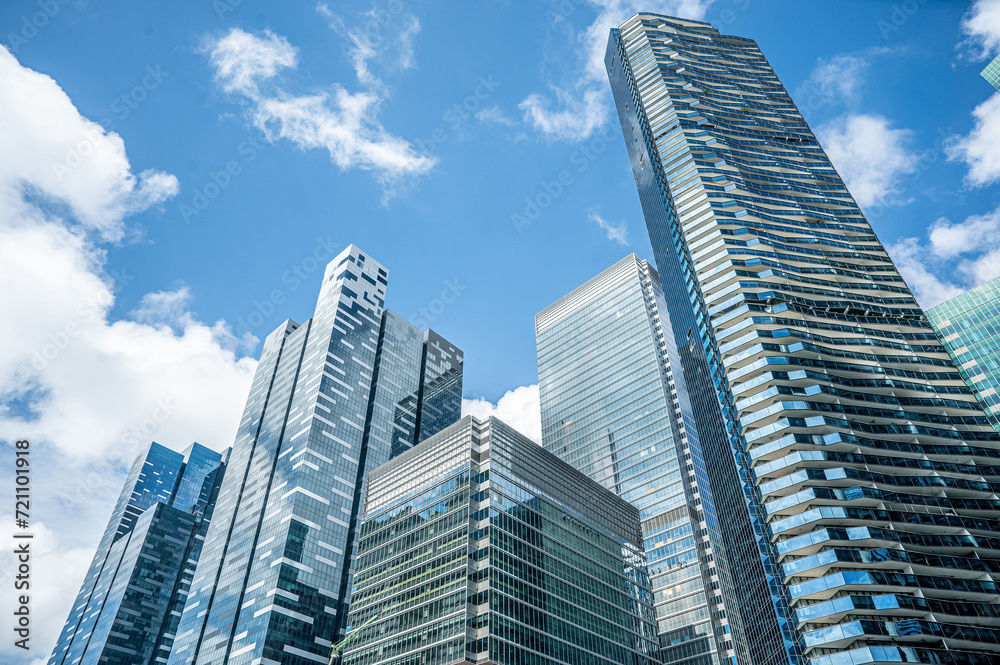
127,608
478,546
853,470
331,398
969,327
992,73
613,408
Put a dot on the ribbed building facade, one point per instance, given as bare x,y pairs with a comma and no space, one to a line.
855,469
969,327
611,407
330,399
480,547
127,609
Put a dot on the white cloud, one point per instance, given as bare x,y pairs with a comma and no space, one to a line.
492,115
519,408
345,124
871,156
582,102
837,78
618,234
577,118
981,25
87,390
953,258
980,150
63,161
242,61
380,35
840,75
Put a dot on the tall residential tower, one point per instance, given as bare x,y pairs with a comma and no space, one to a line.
331,398
855,469
611,407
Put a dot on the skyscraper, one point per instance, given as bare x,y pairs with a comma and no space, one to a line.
126,610
969,327
611,407
857,471
330,399
480,547
992,73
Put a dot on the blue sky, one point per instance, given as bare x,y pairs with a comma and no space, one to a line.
139,274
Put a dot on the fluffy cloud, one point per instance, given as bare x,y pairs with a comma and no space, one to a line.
616,233
981,26
64,162
582,102
242,61
89,389
519,408
871,156
952,258
345,124
980,149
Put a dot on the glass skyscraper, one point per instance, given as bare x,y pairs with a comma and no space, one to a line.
478,546
969,327
992,73
855,470
330,399
127,609
612,408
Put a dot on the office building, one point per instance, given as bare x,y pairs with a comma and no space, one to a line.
612,408
478,546
127,609
992,73
331,398
969,327
855,468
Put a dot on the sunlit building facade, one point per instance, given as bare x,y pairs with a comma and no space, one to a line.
969,327
273,581
478,546
855,470
612,408
992,73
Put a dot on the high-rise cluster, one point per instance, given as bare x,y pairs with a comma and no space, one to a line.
761,452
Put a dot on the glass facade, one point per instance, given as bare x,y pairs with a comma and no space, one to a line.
856,465
324,406
611,407
969,327
127,607
478,546
992,73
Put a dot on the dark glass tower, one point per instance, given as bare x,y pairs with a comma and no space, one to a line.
613,406
855,470
128,606
480,547
330,399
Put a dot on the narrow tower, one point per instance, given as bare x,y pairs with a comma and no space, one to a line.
331,398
